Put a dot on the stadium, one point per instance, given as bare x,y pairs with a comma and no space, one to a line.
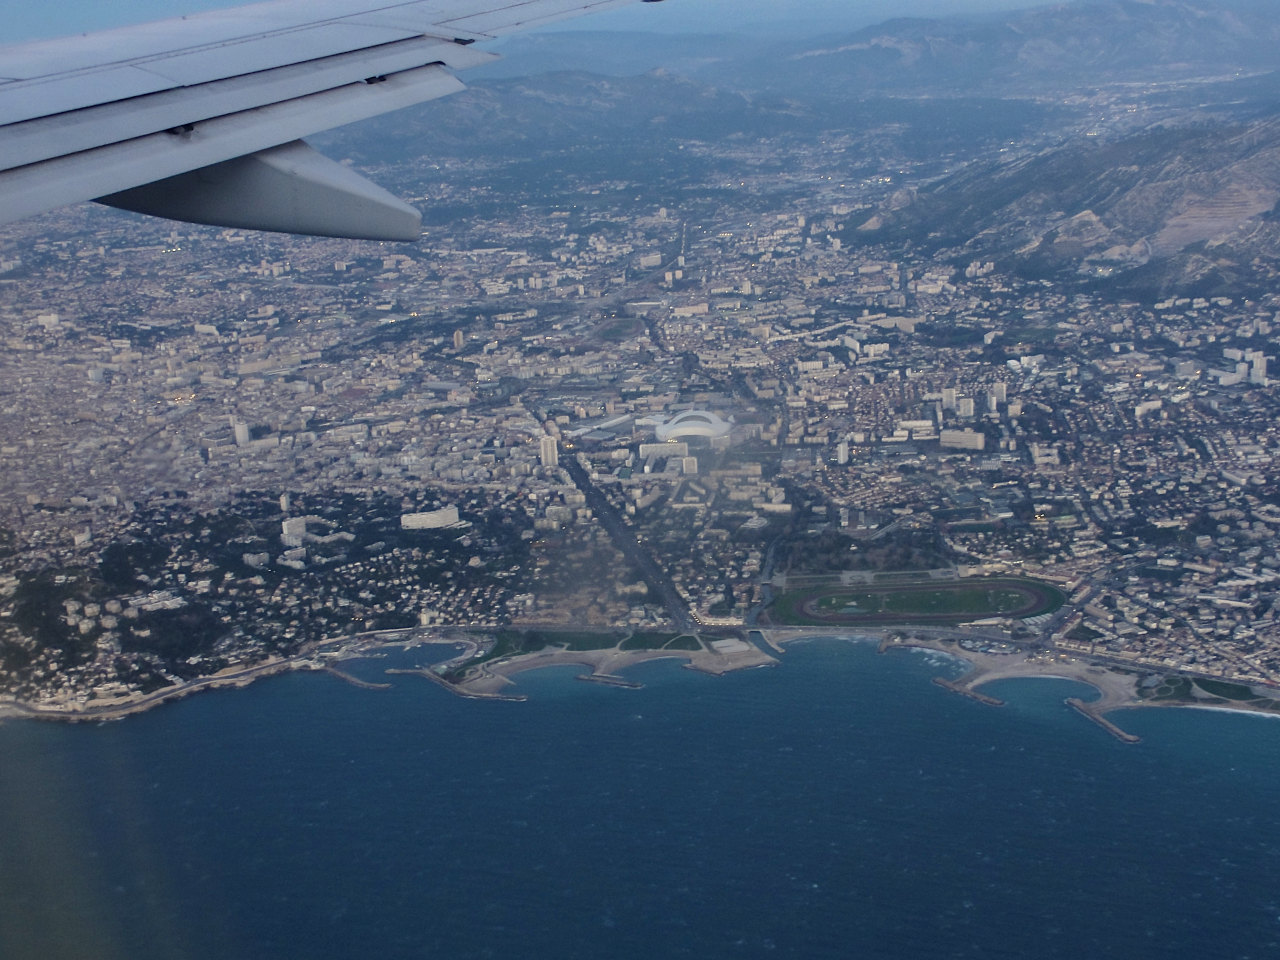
693,423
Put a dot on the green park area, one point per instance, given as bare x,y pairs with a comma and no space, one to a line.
916,602
1202,690
512,642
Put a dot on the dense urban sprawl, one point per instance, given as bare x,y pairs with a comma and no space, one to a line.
220,447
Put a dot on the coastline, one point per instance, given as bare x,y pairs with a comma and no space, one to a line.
493,680
1115,690
89,712
313,658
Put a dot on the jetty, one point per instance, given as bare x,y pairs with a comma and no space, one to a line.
355,681
459,691
1085,710
610,680
967,692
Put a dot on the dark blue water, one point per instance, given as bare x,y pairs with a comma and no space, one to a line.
837,806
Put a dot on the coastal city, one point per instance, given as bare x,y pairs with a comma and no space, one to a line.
770,480
595,410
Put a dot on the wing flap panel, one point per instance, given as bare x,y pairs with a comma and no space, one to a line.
19,102
78,72
25,100
267,52
177,35
275,22
61,134
27,190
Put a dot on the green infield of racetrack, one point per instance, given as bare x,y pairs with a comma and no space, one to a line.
920,602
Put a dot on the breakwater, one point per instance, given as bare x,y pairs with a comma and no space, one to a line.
1082,708
355,681
459,691
967,692
610,680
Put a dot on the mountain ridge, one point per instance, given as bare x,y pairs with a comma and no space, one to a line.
1049,47
1046,155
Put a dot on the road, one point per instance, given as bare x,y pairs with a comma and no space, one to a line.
624,539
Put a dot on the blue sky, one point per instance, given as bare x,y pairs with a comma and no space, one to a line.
27,21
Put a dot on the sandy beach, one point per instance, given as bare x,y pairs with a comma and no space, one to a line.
1114,689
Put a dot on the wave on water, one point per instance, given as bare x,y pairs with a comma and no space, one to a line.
1234,711
939,657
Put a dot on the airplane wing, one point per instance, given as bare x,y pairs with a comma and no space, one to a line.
200,118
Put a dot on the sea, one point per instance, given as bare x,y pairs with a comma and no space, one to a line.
838,805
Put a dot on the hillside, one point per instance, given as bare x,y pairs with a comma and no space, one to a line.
1044,49
1025,137
1168,209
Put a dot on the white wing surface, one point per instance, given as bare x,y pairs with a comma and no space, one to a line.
201,118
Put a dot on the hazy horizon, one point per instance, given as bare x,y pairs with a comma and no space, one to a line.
673,16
